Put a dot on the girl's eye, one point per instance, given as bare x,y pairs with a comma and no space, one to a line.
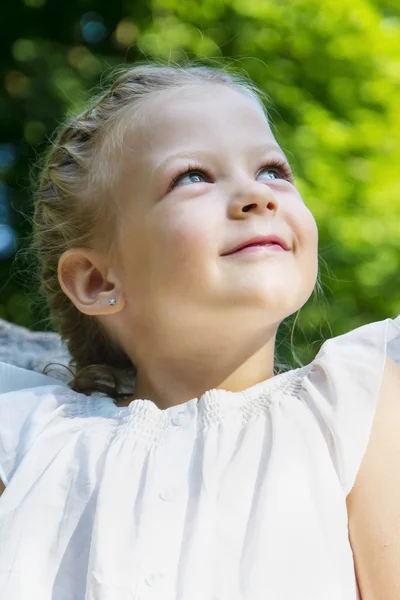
191,177
279,170
191,174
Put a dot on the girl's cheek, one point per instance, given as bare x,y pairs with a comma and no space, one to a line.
193,242
308,230
190,229
175,245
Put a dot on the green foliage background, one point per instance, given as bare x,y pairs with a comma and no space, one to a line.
332,71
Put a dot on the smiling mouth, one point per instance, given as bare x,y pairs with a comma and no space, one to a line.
258,243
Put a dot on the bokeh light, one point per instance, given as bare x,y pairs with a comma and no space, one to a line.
17,84
126,32
8,156
34,131
24,50
8,241
82,59
4,210
92,28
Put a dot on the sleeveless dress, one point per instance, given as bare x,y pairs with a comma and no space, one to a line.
233,495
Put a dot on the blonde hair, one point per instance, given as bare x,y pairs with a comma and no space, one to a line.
72,208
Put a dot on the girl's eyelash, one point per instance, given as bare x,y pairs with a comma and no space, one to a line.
189,169
282,168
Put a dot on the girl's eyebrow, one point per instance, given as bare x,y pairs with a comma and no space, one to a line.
262,148
171,157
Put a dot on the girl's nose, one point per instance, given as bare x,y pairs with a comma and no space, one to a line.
257,197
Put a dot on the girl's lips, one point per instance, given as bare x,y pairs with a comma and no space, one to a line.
259,248
259,241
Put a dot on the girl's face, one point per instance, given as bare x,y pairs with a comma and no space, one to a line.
200,176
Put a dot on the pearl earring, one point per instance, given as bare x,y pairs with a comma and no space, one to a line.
112,301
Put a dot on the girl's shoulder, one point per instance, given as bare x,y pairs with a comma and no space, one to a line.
354,362
29,404
371,339
341,388
13,378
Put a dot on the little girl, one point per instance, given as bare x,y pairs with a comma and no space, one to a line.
175,464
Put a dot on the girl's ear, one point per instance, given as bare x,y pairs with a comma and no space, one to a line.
85,279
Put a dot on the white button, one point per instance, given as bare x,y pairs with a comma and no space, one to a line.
179,419
168,495
154,578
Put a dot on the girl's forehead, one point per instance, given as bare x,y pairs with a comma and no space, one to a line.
204,104
188,118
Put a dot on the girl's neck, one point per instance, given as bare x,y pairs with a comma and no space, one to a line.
171,387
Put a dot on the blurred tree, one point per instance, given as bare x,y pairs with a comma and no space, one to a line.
332,72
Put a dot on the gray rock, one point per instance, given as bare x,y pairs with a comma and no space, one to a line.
31,350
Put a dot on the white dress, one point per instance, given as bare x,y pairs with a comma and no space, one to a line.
237,496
